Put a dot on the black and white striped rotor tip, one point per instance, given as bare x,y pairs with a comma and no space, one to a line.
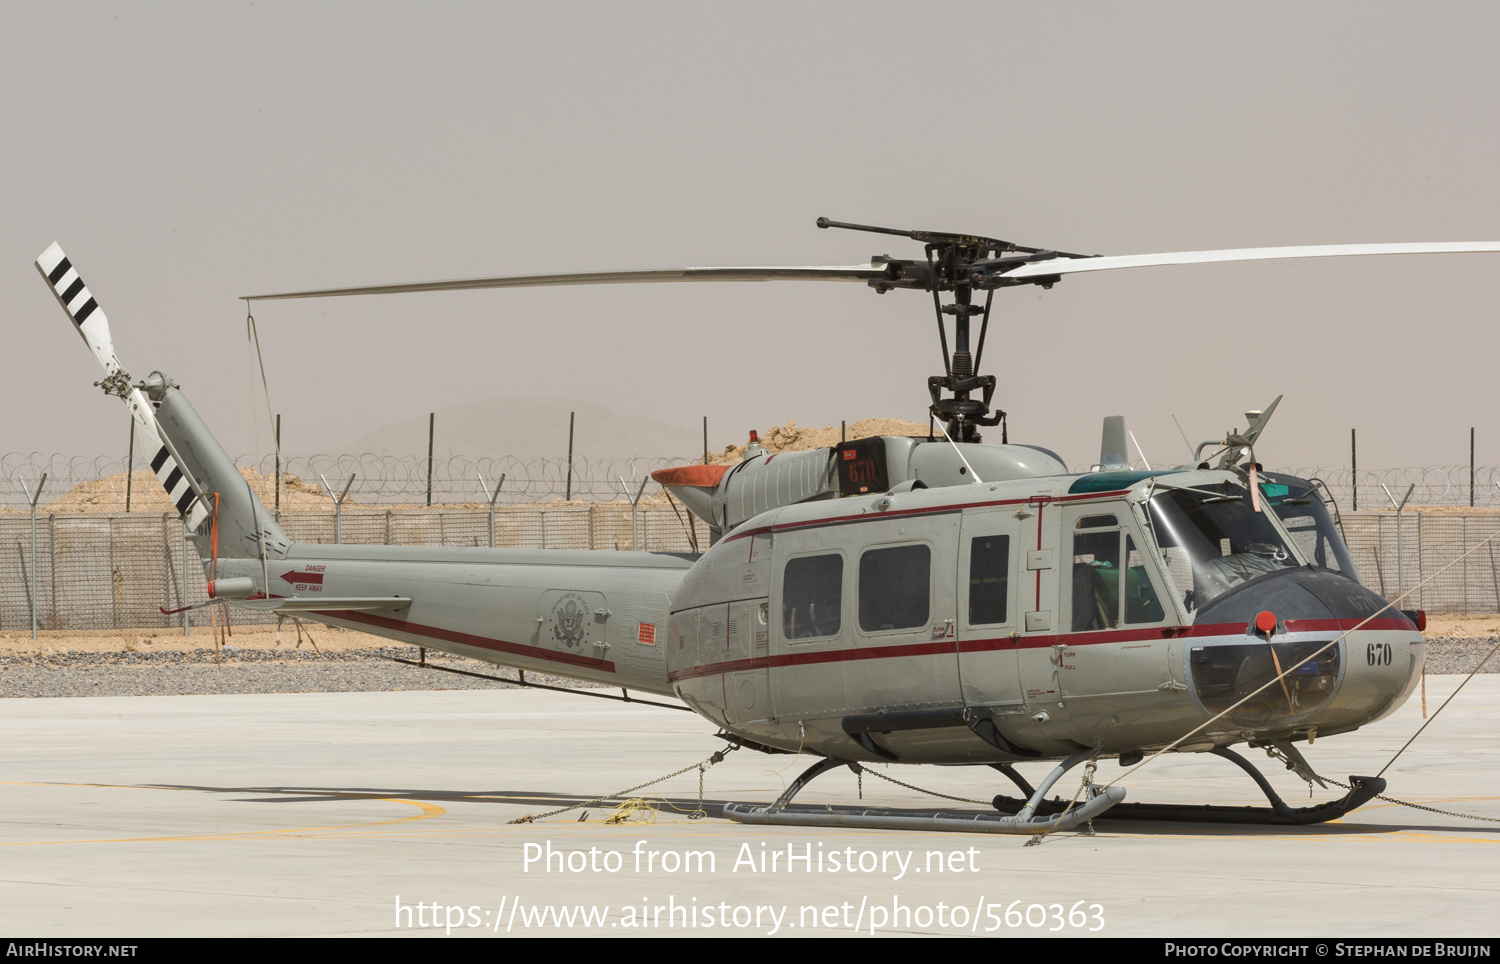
89,319
79,303
178,488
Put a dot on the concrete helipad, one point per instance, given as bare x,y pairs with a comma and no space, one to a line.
384,813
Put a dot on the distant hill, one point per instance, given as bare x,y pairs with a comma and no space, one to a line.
530,427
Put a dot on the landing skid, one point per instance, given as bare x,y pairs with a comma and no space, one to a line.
1025,820
1362,790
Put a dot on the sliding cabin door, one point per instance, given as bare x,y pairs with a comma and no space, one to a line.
990,576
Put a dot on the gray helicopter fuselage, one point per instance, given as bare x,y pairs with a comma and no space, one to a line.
590,615
876,601
893,626
966,624
969,622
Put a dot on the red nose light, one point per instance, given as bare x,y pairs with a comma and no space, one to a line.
1265,622
1421,620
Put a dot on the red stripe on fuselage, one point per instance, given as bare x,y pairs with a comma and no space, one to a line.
469,639
948,646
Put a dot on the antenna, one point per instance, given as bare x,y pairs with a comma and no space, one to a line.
1185,441
1138,449
977,479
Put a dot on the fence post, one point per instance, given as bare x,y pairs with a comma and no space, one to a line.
130,464
1468,563
634,504
114,592
52,563
33,499
431,429
1354,470
492,498
338,505
568,493
1421,593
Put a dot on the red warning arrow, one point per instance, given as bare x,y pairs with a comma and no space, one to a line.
305,578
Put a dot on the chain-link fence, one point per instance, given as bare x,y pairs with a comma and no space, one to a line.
101,568
104,571
1427,542
113,571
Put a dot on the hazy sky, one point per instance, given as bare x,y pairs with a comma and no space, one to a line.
184,155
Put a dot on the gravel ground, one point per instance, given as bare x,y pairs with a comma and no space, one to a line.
194,672
1459,654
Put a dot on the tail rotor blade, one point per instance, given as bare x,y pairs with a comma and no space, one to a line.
93,326
181,488
79,303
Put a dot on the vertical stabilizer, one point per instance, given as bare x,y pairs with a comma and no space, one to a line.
1112,453
243,519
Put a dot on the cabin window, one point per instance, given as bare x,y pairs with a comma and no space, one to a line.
1096,580
989,579
811,596
1142,605
894,585
1107,593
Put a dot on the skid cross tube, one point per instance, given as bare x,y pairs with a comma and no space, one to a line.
1027,821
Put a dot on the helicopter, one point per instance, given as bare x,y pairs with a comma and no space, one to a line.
933,600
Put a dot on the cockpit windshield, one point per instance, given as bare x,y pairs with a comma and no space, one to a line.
1213,539
1307,521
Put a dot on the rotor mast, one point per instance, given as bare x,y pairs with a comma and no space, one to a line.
959,263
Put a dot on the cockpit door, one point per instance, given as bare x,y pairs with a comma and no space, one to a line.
990,571
1113,607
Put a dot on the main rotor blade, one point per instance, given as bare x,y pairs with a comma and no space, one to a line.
1058,266
853,272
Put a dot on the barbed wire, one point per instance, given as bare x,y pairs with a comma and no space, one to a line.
378,479
403,479
1435,485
